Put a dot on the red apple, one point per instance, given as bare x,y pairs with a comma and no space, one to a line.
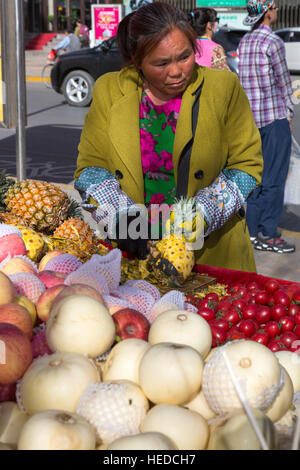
11,244
78,289
131,324
15,353
17,315
51,278
44,303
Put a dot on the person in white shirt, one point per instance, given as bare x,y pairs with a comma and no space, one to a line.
69,43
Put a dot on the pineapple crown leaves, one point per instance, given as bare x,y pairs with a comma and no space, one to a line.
74,210
5,184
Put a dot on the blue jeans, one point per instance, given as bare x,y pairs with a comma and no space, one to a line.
264,206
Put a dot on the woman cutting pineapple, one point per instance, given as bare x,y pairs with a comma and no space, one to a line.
164,128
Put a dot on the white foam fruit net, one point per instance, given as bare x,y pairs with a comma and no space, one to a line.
190,308
6,229
108,266
114,304
86,275
28,285
170,301
144,285
219,390
141,299
108,408
22,257
64,264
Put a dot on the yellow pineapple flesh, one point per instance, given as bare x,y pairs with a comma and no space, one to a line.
174,248
33,241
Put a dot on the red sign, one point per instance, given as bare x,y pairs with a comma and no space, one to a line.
105,20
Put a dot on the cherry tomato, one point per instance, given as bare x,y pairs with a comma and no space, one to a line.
206,313
282,298
263,314
278,311
221,323
212,296
272,329
262,297
296,296
288,338
293,309
271,301
248,327
271,285
296,330
218,336
224,305
252,285
232,316
260,337
250,311
234,334
297,318
242,291
287,323
276,345
239,304
236,287
246,297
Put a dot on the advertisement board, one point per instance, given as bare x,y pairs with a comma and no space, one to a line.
105,20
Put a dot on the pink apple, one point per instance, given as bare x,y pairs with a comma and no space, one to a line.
16,315
44,303
18,265
131,324
47,257
15,353
51,278
11,245
78,289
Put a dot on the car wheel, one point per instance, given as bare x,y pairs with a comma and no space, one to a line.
77,88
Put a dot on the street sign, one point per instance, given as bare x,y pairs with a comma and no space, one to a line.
221,3
105,20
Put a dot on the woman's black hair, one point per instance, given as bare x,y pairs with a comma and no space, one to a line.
199,17
140,31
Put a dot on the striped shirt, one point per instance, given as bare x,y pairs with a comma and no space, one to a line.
264,75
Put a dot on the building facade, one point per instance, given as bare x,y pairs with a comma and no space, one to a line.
59,15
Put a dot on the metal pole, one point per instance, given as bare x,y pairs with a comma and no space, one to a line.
21,92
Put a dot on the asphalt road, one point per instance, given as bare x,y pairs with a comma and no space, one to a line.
53,133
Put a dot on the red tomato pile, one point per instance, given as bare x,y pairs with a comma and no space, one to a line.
268,314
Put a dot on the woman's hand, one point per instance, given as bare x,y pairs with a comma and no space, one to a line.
132,235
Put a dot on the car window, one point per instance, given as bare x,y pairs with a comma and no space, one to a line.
295,36
229,39
284,35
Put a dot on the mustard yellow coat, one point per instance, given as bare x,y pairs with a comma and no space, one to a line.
226,137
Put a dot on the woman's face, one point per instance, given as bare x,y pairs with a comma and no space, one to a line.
167,69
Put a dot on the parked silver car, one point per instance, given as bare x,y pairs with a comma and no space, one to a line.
291,38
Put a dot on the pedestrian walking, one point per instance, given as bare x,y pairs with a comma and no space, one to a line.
209,53
82,32
161,127
265,77
70,42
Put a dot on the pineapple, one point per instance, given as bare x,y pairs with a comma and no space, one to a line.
33,241
41,205
74,236
172,256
